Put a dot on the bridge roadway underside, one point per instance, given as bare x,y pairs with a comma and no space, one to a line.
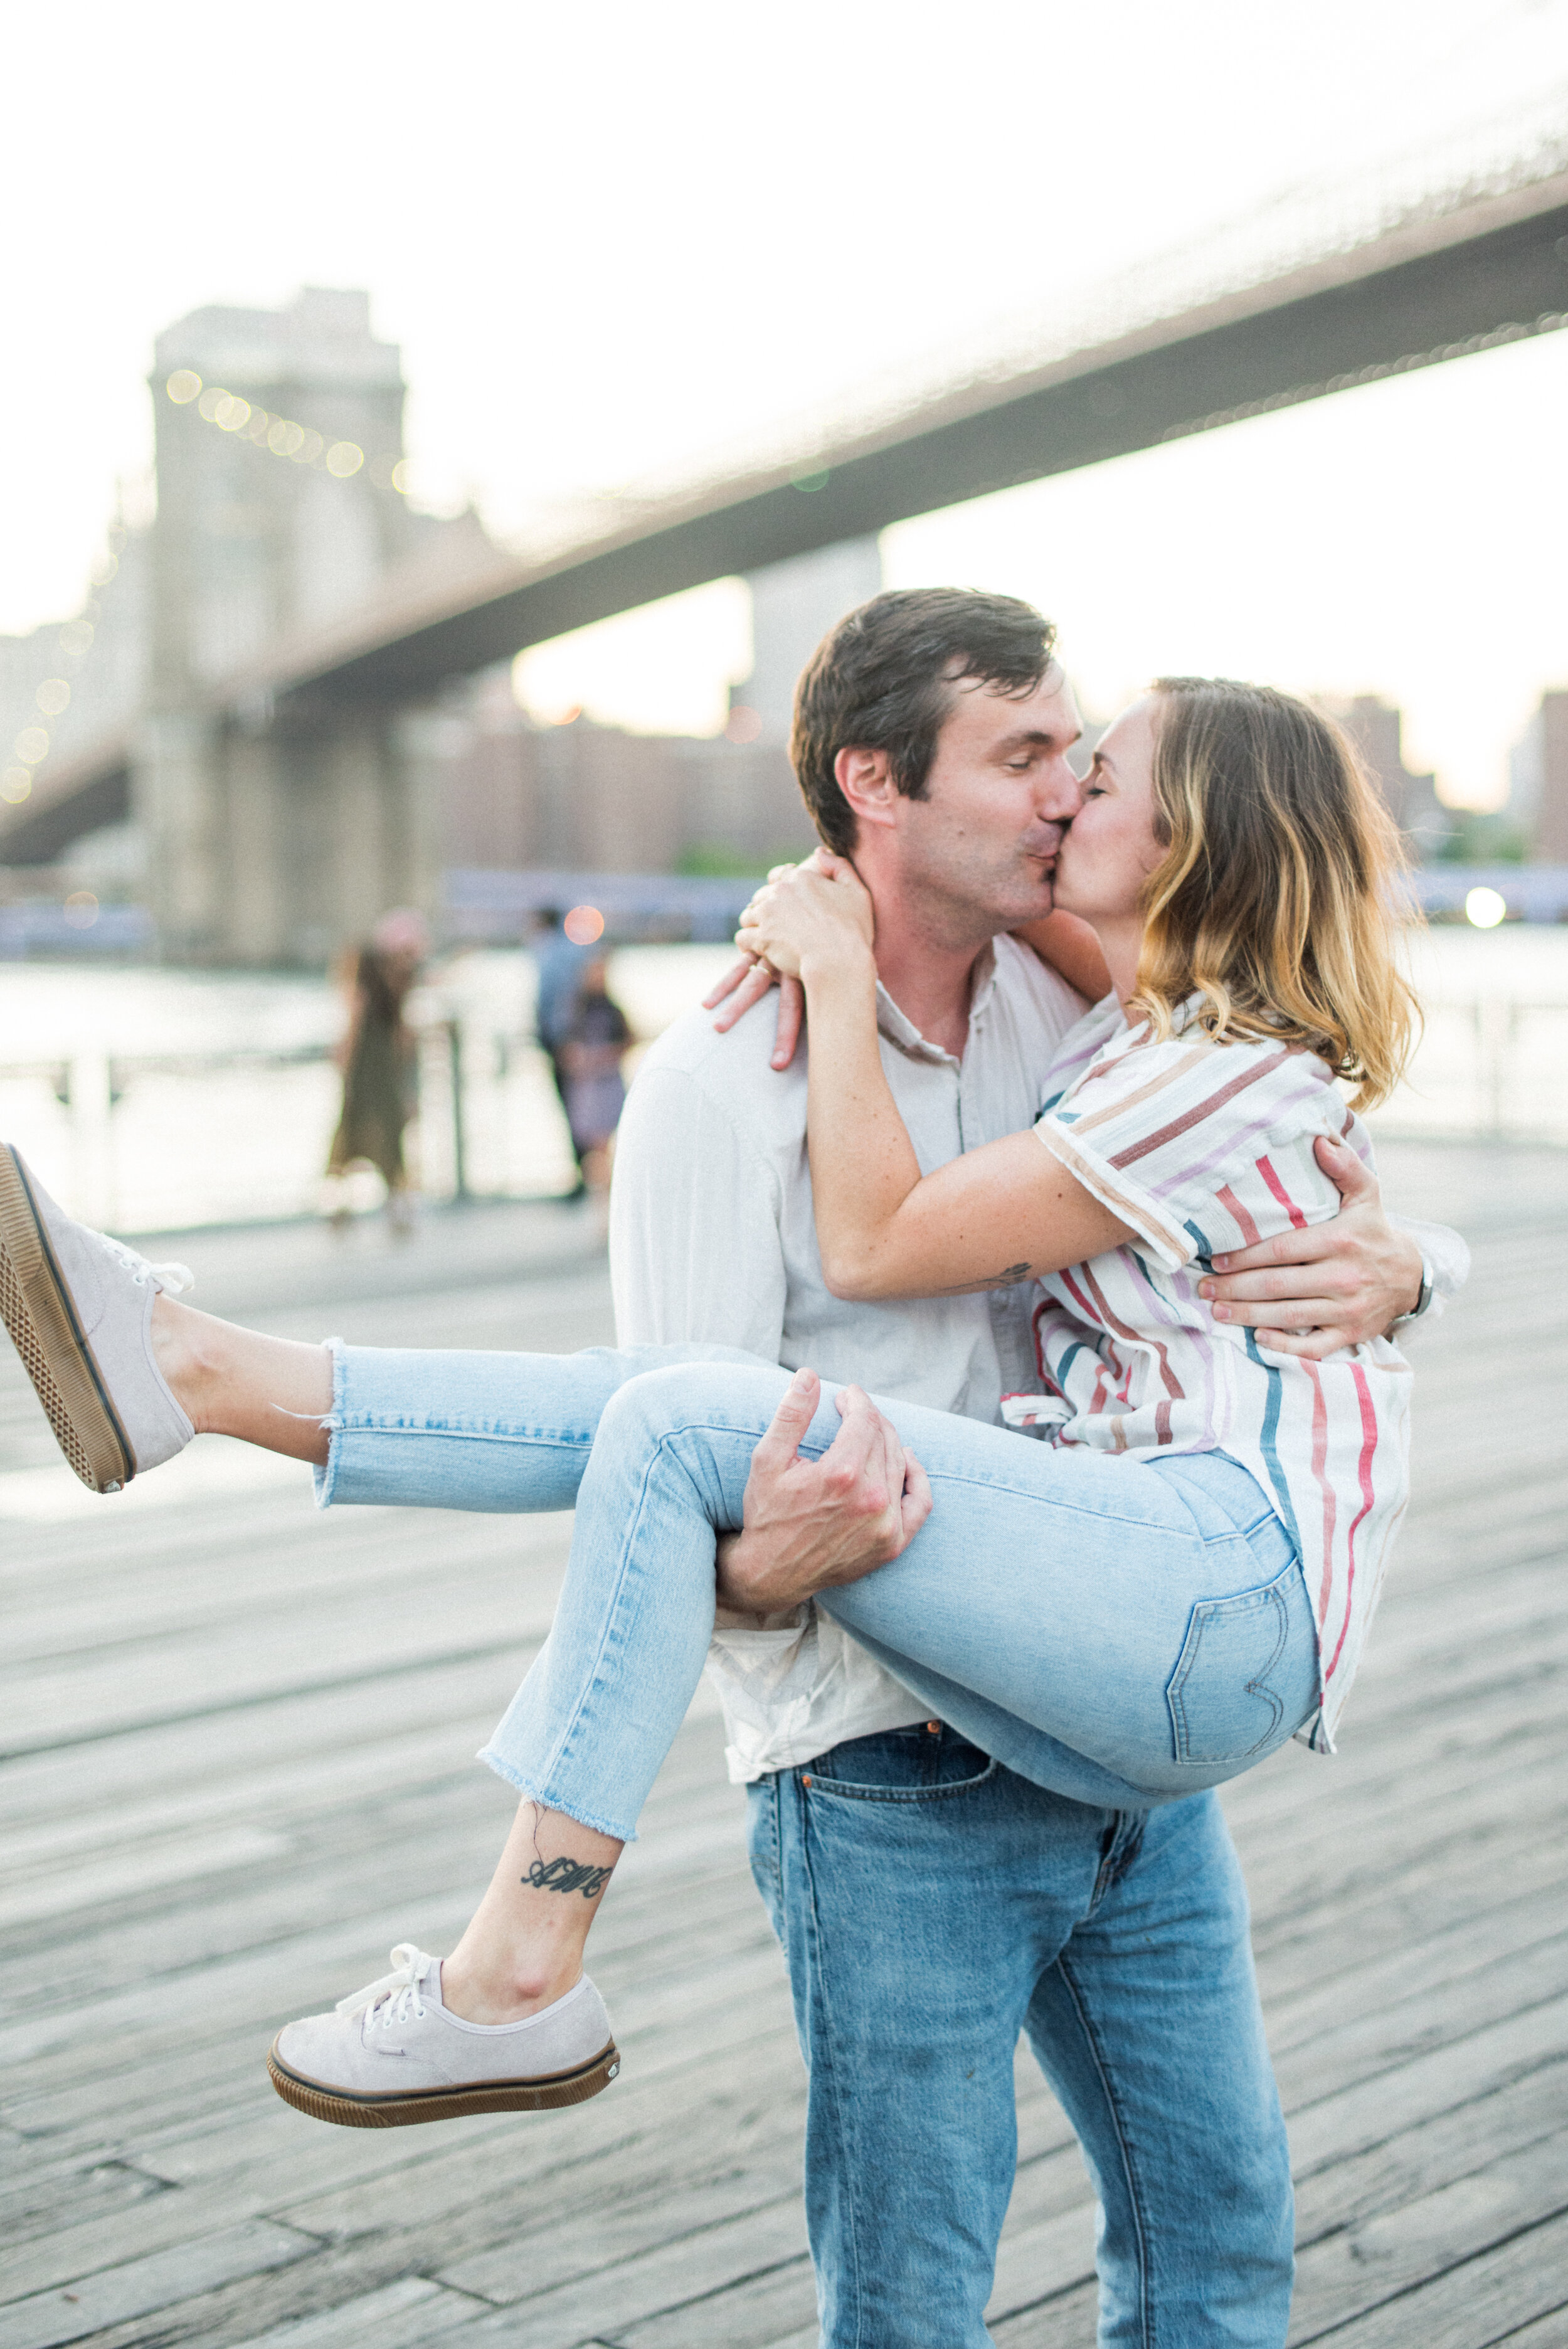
283,813
1186,378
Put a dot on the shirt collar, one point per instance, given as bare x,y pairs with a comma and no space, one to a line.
901,1032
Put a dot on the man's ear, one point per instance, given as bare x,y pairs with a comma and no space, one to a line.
865,779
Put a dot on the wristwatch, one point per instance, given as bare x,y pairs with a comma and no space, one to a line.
1423,1299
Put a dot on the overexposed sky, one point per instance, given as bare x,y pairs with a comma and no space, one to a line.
610,240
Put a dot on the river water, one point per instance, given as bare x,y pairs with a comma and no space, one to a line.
165,1148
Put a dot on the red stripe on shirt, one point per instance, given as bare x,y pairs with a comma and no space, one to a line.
1368,1445
1319,1460
1266,1170
1203,1110
1239,1216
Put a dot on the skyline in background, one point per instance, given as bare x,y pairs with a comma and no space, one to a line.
605,257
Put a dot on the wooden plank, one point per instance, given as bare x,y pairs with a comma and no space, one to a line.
1370,2047
1374,2110
776,2311
1488,2300
676,2276
1067,2321
1458,2144
401,2316
1379,2258
1047,2258
138,2287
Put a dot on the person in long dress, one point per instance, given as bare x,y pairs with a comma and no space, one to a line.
378,1058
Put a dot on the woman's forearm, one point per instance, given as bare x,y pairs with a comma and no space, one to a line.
1005,1212
863,1164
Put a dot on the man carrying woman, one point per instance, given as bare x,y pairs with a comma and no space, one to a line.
1175,1582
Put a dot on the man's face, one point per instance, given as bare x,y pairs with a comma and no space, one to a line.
984,840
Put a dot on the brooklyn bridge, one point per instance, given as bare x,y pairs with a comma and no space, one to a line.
260,679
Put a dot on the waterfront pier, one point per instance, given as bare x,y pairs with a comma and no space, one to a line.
238,1743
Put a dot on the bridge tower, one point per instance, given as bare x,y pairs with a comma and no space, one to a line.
279,443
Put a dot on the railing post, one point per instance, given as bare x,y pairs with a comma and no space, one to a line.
459,1134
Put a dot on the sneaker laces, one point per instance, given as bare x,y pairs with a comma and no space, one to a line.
395,1998
175,1277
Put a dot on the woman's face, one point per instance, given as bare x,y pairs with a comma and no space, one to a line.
1110,847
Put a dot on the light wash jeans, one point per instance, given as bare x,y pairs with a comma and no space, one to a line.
931,1904
1122,1632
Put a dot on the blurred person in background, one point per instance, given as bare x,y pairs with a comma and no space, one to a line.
378,1058
592,1050
560,962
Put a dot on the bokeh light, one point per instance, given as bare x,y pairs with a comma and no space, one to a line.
76,637
16,785
342,459
583,925
81,909
183,387
742,725
1485,908
31,745
52,696
211,401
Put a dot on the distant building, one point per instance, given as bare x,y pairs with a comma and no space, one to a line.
1376,728
1538,782
589,798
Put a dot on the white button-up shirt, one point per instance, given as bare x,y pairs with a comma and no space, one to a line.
712,1241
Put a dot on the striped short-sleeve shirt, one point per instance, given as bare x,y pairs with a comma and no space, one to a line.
1203,1147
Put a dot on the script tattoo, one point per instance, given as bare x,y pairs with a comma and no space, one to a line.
563,1875
1015,1272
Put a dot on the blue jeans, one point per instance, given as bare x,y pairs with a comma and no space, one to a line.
1122,1632
932,1898
931,1904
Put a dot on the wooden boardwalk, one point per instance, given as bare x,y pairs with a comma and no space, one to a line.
237,1741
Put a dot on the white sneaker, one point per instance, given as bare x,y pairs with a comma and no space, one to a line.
392,2055
79,1307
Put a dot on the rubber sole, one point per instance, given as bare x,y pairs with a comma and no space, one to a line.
443,2103
35,1306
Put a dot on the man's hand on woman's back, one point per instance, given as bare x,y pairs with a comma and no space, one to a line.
1336,1284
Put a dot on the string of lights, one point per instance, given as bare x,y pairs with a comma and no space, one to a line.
280,435
245,420
52,696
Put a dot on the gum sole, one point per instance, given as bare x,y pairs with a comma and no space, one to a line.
37,1307
444,2104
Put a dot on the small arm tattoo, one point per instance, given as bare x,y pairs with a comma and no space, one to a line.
563,1875
1007,1279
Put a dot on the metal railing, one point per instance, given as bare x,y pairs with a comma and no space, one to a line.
240,1134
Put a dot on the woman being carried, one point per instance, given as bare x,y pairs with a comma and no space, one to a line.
1175,1582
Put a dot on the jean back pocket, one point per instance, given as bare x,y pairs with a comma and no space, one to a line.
1247,1673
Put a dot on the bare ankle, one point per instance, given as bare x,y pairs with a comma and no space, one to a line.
477,1994
184,1350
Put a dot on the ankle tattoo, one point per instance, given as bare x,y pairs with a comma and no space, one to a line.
563,1875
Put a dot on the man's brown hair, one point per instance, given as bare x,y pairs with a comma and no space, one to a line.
883,680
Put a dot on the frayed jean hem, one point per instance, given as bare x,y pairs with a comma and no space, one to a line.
504,1769
325,1479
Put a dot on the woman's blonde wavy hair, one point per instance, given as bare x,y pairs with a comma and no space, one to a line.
1277,895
